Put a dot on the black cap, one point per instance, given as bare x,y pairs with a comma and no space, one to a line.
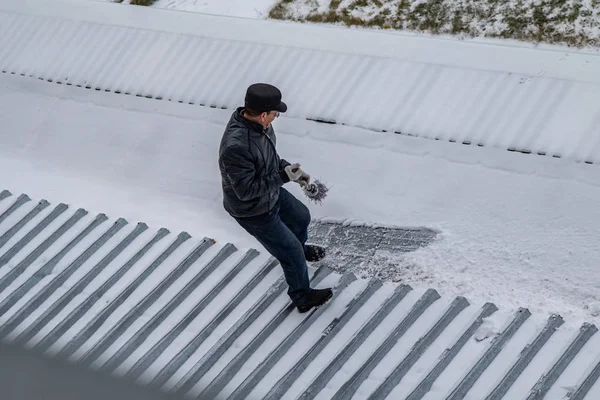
263,97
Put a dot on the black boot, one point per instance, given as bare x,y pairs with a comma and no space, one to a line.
313,253
316,298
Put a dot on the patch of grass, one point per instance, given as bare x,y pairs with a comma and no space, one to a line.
142,2
571,22
517,21
430,16
278,11
358,4
331,17
382,19
334,4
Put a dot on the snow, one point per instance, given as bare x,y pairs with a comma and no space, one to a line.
103,276
474,15
201,321
112,293
521,339
17,215
307,340
77,250
516,229
209,314
484,93
542,363
401,349
344,337
467,357
480,19
433,354
173,289
75,277
185,307
235,8
41,215
47,255
481,54
585,360
157,276
374,340
11,221
277,336
594,392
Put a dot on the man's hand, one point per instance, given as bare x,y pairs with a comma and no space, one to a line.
296,174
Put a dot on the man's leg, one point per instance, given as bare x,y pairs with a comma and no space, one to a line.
296,216
282,244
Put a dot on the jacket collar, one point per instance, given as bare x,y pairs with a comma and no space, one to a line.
251,124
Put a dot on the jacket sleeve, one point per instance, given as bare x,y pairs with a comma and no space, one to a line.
241,171
283,163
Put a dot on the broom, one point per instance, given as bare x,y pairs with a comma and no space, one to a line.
315,191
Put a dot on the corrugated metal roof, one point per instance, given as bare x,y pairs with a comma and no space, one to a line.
196,317
551,111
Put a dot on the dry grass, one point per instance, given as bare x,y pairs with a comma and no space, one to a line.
571,22
142,2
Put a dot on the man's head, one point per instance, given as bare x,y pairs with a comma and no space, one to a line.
263,103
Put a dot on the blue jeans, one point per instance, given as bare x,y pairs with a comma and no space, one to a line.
283,232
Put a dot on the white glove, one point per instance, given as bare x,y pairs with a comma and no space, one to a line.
296,174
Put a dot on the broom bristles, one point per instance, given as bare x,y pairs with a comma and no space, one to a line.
316,191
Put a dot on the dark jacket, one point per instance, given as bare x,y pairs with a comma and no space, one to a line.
251,171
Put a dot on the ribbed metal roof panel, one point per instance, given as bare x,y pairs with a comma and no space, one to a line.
200,318
553,111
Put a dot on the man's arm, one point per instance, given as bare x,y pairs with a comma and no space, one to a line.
241,171
283,163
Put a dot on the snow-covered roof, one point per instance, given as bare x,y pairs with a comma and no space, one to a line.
185,313
544,100
193,316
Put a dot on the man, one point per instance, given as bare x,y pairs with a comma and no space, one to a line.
253,176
